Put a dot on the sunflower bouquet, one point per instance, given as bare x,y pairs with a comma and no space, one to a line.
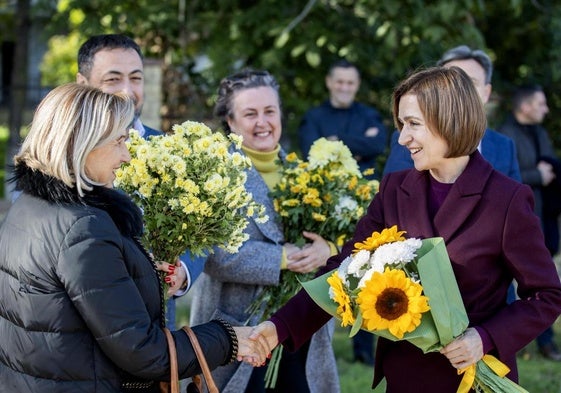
326,195
405,289
191,189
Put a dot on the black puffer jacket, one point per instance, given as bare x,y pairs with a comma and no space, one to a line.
80,300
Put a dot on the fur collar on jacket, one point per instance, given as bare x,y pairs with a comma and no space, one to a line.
125,214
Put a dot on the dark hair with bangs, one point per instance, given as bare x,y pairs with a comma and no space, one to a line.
450,105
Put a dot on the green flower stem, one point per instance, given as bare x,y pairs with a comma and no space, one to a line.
272,373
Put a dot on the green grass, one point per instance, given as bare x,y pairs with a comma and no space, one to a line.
537,375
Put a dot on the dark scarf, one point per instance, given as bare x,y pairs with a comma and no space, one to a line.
125,214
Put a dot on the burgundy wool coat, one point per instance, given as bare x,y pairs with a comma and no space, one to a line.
492,236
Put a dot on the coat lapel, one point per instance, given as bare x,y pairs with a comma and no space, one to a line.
463,197
412,202
458,205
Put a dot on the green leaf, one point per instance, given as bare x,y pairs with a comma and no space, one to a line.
282,39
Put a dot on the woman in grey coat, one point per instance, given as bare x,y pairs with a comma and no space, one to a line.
249,105
81,302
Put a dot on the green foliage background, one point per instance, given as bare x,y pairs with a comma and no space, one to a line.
298,40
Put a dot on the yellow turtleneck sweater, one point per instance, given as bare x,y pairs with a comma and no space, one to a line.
266,164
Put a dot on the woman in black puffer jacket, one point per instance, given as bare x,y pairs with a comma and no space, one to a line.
80,299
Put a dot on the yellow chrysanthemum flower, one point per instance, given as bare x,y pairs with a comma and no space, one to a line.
292,157
291,202
368,172
297,189
392,301
364,191
318,217
353,183
388,235
340,240
303,178
312,198
340,296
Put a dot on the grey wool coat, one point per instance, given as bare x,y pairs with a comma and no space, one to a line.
231,282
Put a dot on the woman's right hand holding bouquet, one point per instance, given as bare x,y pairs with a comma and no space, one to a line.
465,350
311,256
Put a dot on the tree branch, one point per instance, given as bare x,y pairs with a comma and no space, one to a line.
300,17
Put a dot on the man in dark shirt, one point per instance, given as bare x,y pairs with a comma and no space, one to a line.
358,126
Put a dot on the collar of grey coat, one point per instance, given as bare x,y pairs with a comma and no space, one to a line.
125,214
256,185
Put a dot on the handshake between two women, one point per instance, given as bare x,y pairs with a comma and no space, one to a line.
256,343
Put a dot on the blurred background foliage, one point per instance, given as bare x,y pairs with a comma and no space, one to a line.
201,41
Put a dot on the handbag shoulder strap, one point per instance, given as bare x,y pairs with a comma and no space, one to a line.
174,373
202,360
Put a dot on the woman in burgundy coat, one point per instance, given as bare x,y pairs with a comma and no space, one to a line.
487,221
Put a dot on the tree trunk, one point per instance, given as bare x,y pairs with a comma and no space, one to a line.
18,88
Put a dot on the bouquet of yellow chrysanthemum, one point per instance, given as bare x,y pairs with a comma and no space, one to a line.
191,189
326,195
405,289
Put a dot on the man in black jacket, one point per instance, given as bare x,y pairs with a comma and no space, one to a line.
536,158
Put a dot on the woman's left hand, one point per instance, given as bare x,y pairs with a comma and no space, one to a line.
310,257
176,277
465,350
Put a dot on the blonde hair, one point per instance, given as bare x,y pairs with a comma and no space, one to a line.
70,122
450,104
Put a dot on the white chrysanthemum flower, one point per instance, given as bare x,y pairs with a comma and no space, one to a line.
345,204
359,263
367,276
214,183
343,269
323,151
396,252
377,264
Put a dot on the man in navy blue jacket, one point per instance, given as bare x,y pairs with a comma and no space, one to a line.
114,64
496,148
358,126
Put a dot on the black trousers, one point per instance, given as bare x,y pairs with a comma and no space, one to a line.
291,377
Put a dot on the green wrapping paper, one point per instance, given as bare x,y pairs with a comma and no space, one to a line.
446,319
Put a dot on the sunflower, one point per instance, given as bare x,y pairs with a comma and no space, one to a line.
392,301
388,235
340,296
